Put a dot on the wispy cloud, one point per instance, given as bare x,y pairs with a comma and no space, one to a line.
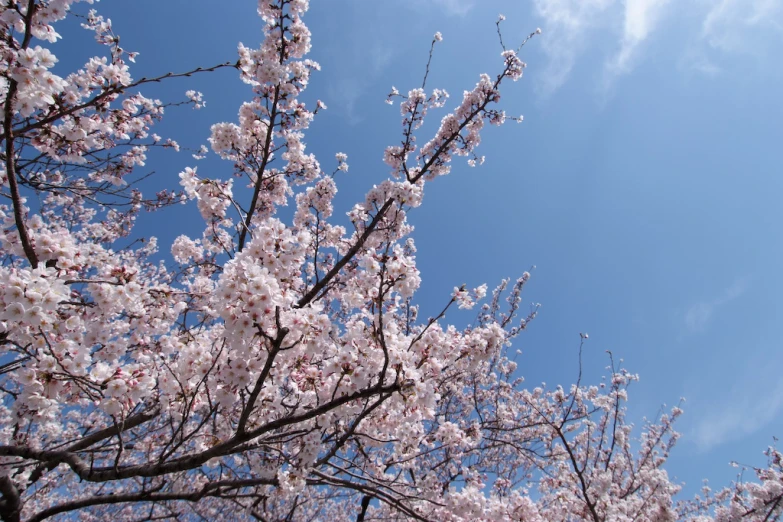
730,24
576,27
348,91
567,25
640,19
699,315
571,25
696,60
741,410
456,7
450,7
731,27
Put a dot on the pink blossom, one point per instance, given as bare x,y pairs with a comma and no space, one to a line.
273,363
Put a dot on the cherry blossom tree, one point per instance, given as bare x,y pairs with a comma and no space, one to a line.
275,370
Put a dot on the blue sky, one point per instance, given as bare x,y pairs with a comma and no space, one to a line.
644,183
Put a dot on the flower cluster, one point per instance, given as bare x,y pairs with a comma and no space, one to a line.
279,367
197,98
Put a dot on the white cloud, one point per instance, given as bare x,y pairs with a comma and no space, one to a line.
347,93
696,60
349,90
698,316
740,410
456,7
575,27
732,25
641,18
567,25
753,28
450,7
743,416
571,25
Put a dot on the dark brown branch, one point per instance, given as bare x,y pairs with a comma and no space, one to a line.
314,291
579,474
10,152
365,504
260,172
110,92
185,463
274,350
10,505
130,423
212,489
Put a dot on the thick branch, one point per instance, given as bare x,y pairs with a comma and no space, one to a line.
10,505
365,504
130,423
211,489
105,474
